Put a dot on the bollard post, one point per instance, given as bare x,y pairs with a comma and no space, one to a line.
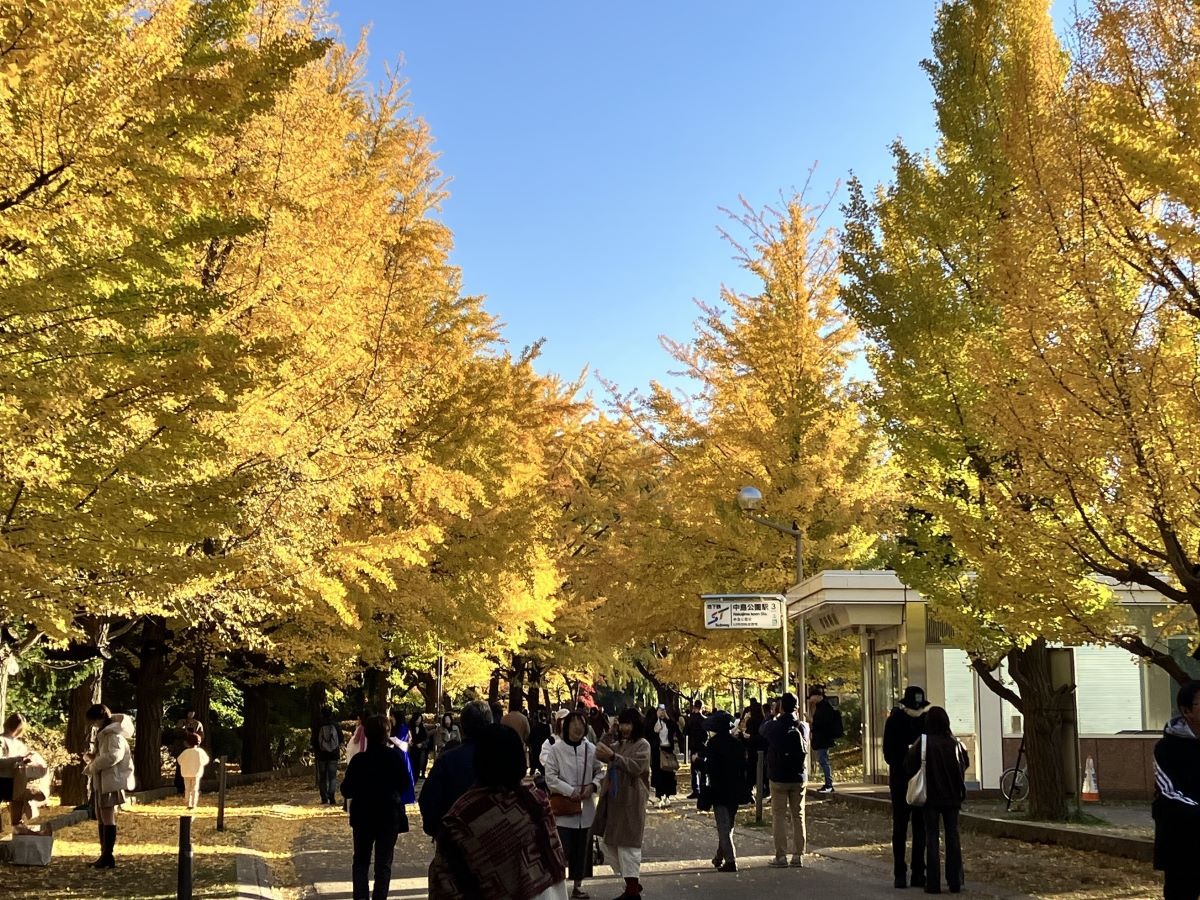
184,884
220,793
758,790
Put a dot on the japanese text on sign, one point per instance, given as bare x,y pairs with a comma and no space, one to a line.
742,614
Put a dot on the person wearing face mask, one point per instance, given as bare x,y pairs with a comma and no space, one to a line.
624,790
573,772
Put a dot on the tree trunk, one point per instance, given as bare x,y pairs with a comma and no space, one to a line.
74,785
427,685
516,682
149,689
1046,711
201,668
376,684
494,687
668,694
534,693
256,736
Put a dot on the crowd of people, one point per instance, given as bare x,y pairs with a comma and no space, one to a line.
526,810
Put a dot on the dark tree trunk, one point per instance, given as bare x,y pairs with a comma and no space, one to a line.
149,689
1046,710
534,688
202,687
494,687
317,695
516,682
427,685
74,786
256,735
376,683
668,694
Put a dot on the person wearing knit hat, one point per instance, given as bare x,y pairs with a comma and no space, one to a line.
905,725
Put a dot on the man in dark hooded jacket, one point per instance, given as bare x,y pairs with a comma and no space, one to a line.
905,724
454,772
1176,805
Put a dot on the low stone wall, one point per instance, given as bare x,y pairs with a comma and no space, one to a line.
1141,849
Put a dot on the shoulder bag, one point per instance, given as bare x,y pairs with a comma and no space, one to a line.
915,795
562,805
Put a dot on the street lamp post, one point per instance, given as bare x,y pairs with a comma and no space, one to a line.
750,500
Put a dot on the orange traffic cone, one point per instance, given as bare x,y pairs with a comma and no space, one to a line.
1090,792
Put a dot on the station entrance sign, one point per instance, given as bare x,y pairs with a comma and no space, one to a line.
722,611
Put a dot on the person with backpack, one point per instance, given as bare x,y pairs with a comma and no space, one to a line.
788,739
826,729
327,750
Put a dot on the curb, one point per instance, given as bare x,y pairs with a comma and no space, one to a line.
1139,849
979,889
254,879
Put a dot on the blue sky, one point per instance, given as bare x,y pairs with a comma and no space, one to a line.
591,146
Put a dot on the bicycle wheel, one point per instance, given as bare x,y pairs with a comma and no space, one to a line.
1014,785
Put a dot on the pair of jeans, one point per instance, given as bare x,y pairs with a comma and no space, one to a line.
575,846
826,768
697,776
785,794
383,843
725,816
902,816
327,779
933,864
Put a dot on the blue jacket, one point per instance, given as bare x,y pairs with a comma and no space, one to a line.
452,776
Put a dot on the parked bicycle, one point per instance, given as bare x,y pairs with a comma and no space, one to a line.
1014,782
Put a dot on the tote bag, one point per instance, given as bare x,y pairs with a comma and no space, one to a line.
916,785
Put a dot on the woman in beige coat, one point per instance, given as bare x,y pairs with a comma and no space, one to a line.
621,819
111,771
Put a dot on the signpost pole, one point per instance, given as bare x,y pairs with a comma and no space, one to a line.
786,673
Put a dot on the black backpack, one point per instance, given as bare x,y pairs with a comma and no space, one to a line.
788,756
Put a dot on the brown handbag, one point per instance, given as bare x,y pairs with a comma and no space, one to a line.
561,805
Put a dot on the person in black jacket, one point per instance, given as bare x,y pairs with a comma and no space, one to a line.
454,772
1176,806
375,783
905,724
946,765
826,729
696,735
723,787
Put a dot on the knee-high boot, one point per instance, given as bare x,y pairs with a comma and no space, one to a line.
108,861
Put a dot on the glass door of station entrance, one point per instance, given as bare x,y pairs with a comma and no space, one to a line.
885,680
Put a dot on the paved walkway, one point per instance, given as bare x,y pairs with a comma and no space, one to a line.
678,846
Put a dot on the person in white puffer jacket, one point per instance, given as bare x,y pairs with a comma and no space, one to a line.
111,771
573,779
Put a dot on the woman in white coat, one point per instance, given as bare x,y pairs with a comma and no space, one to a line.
111,771
573,779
